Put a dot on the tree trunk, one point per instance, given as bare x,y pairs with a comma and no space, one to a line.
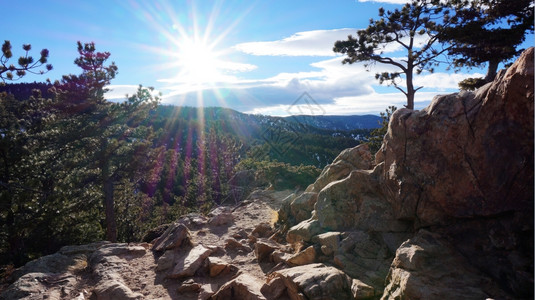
107,190
492,70
111,225
410,90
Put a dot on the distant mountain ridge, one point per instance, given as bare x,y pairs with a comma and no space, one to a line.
328,122
339,122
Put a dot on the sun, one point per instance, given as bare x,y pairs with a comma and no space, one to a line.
196,56
199,63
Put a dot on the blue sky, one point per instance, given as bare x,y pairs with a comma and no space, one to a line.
252,56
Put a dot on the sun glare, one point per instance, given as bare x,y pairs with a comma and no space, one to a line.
198,63
196,57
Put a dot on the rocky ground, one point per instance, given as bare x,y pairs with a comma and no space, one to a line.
193,259
443,211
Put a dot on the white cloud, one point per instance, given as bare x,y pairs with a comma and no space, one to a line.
339,89
443,81
235,66
120,91
316,43
306,43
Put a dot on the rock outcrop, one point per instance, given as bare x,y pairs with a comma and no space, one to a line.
459,171
444,212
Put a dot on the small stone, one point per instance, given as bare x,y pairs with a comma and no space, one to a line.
190,263
189,286
274,288
326,250
217,266
233,244
166,261
221,216
207,290
304,257
279,256
173,237
360,290
264,248
303,231
263,230
329,242
242,287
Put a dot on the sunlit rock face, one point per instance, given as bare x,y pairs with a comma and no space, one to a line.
462,169
466,155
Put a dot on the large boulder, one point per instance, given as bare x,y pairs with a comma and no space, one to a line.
38,285
427,267
466,155
173,237
312,281
356,158
187,264
302,206
241,288
299,207
366,256
356,202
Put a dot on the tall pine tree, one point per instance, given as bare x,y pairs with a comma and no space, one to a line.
109,139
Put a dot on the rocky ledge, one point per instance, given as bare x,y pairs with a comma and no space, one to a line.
444,211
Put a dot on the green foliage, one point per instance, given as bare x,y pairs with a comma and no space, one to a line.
487,31
26,63
471,84
38,214
377,135
108,140
417,20
281,175
63,159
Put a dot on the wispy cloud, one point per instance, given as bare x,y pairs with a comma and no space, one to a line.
443,81
315,43
306,43
235,66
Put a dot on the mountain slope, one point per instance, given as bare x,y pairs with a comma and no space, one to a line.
283,139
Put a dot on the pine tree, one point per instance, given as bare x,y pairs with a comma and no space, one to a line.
487,32
26,63
109,139
414,28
